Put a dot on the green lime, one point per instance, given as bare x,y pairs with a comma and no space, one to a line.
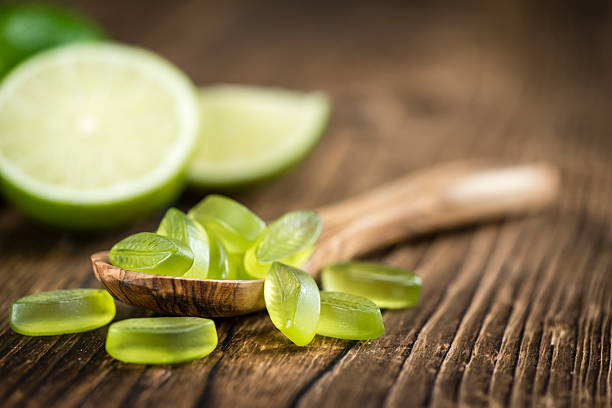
26,29
94,135
250,134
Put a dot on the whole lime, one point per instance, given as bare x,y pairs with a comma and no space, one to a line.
26,29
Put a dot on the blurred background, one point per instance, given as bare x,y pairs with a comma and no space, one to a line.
412,83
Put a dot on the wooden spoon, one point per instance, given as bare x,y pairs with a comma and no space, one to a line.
438,198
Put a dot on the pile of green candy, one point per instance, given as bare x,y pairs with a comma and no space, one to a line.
221,239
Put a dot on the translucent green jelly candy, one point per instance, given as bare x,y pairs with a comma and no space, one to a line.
290,240
388,287
161,340
234,224
347,316
152,253
293,303
219,263
62,311
177,225
237,270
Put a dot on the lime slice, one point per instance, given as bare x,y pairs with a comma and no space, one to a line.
28,28
350,317
250,134
93,135
290,240
293,302
177,225
152,253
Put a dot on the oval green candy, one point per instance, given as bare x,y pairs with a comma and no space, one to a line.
234,224
219,260
161,340
350,317
236,266
289,240
61,312
152,253
389,287
177,225
293,303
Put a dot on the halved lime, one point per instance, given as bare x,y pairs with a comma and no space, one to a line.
93,135
249,134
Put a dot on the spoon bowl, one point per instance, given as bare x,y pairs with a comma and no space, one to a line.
438,198
178,295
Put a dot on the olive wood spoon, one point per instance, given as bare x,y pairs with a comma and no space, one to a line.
438,198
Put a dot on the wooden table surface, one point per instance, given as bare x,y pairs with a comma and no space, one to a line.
512,313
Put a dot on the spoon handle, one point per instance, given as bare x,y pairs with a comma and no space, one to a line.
438,198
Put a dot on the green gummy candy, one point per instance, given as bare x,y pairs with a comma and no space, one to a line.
348,316
152,253
236,266
293,302
61,312
161,340
387,286
289,240
219,260
234,224
177,225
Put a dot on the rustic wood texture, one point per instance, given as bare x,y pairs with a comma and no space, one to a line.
516,312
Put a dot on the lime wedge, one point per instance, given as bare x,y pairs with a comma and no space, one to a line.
93,135
250,134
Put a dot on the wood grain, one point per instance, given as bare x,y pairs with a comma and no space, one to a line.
517,312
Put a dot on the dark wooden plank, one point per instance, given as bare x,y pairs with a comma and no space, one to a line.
514,313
